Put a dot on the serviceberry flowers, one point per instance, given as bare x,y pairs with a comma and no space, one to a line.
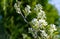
17,7
38,24
27,10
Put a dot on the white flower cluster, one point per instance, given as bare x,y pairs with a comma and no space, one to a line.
43,34
18,10
27,10
40,20
40,12
33,32
17,7
39,23
53,28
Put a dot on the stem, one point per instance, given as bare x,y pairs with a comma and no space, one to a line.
24,18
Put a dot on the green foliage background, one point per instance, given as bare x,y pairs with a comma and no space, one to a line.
13,25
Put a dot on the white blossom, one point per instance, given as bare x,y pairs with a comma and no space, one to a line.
27,10
42,22
38,6
43,33
30,30
28,7
33,32
52,28
41,15
34,21
17,7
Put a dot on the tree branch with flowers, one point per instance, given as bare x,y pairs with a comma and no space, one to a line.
39,28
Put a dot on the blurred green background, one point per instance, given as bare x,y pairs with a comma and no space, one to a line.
12,24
